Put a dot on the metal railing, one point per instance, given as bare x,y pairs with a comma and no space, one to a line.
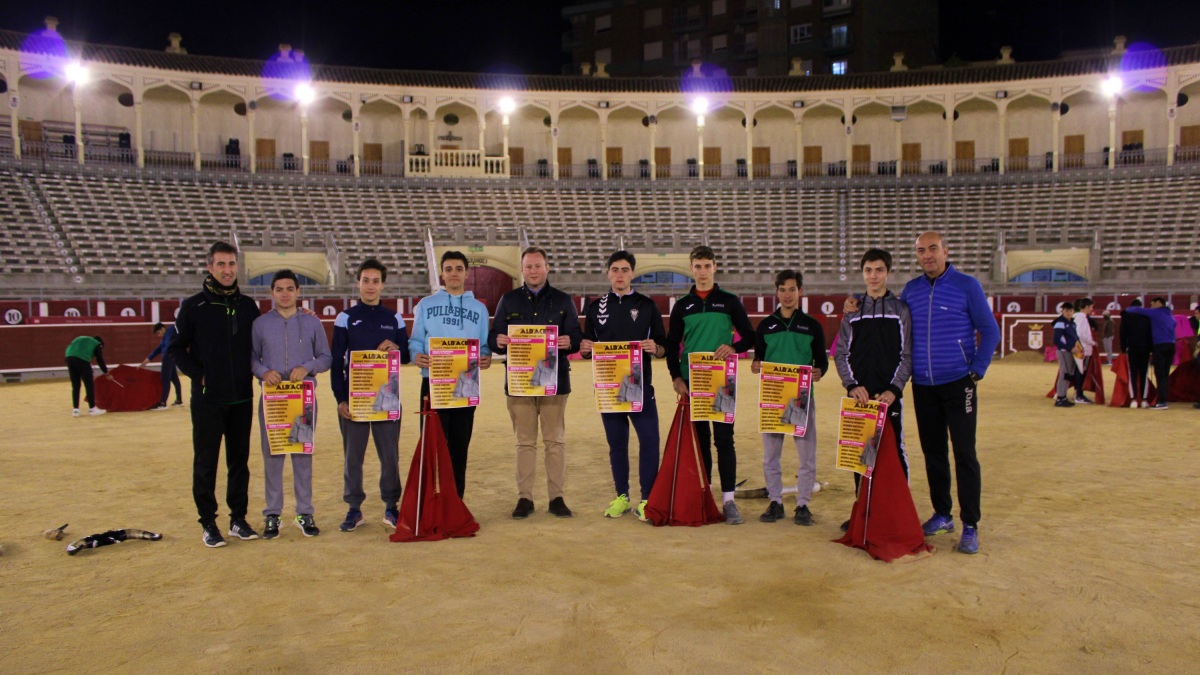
169,159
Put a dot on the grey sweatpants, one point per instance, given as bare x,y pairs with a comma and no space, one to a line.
806,448
273,473
1066,373
387,446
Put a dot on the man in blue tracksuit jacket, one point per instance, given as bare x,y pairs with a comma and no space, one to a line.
452,312
170,374
364,327
1162,330
948,309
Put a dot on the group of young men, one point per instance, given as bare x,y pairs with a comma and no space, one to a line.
939,330
1147,338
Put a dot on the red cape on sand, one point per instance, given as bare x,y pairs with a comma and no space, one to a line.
1123,388
1093,380
682,494
134,389
431,508
1185,380
884,521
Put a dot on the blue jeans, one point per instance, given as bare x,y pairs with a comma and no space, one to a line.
616,429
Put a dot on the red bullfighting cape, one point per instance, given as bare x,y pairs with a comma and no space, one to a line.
129,389
682,494
1123,392
1093,380
431,508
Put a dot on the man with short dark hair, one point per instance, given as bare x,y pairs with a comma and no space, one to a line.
1137,342
789,336
288,345
79,357
536,303
170,374
704,320
213,349
1083,329
624,315
452,312
368,326
1066,341
1162,331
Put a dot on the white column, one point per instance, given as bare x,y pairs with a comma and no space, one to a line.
554,146
253,144
799,148
195,133
603,148
1112,133
75,97
304,138
356,129
1002,133
504,122
137,130
1055,119
750,141
653,163
406,114
14,119
849,144
1172,97
700,142
900,148
950,142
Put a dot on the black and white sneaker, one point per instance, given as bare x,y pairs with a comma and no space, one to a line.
212,536
160,406
241,529
307,525
271,527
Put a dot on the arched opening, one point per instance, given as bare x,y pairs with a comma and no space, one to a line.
874,138
975,138
824,144
1029,133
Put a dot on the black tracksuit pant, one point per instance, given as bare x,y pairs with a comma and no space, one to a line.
726,455
81,373
212,422
457,424
953,406
1139,364
1164,354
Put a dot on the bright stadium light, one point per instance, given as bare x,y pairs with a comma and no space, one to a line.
305,93
76,72
507,105
700,106
1112,86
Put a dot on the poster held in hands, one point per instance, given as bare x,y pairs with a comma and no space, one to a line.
374,386
617,373
860,427
453,372
712,387
784,397
290,415
532,364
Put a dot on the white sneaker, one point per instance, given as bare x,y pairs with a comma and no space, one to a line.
75,412
1145,404
97,411
1133,404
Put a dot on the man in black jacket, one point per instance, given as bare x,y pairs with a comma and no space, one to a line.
536,303
213,349
1137,343
624,315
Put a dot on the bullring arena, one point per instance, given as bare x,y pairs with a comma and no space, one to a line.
1088,558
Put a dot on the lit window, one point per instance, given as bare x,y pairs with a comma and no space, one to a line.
653,18
652,51
839,67
801,32
603,23
720,42
718,7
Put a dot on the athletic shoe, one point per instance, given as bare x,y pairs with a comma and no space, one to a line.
845,527
732,515
75,412
1083,400
97,411
307,525
938,524
160,406
1145,404
524,508
558,508
641,511
773,513
618,507
1133,404
271,527
1159,406
241,529
391,515
179,403
1063,403
212,536
803,516
353,518
969,543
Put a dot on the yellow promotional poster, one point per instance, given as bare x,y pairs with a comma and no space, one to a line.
290,415
532,364
453,372
374,386
784,395
712,387
860,426
617,373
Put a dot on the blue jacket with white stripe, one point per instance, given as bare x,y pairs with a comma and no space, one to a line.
946,314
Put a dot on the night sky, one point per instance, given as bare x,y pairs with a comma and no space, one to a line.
525,36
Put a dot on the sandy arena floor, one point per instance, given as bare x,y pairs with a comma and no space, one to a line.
1088,561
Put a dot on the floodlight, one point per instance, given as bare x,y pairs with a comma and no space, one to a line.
700,105
76,72
305,94
1112,86
507,105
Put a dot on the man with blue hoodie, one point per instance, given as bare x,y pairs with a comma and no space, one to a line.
949,309
287,345
1162,330
452,312
367,326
